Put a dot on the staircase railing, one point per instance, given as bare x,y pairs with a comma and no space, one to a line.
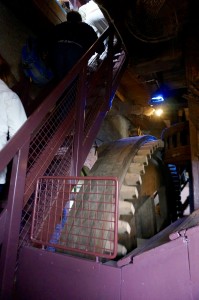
55,141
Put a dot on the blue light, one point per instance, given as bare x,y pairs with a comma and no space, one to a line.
157,99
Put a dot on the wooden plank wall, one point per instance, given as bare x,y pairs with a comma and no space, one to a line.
52,10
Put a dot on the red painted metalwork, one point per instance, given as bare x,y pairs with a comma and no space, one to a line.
50,143
159,269
77,214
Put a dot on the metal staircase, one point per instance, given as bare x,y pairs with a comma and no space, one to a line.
177,157
55,141
176,186
53,144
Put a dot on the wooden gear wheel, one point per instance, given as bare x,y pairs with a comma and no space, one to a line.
142,205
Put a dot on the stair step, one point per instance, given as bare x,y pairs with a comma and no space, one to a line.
172,168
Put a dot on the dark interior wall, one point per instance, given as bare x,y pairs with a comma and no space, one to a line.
28,13
13,35
18,20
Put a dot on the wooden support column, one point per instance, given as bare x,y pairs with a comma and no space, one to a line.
194,141
192,69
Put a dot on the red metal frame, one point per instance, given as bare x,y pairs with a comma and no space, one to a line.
78,214
54,141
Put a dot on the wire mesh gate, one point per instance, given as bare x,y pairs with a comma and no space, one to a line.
77,214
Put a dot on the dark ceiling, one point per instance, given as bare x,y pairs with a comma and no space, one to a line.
162,41
159,35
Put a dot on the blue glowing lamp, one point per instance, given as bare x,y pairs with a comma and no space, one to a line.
156,100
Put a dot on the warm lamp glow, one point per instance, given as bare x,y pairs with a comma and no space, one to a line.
158,112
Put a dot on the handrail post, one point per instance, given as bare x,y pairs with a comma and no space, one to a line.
79,126
109,72
12,226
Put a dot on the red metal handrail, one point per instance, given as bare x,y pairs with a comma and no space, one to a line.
50,143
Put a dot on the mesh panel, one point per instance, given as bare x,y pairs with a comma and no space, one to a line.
50,153
77,214
51,147
46,156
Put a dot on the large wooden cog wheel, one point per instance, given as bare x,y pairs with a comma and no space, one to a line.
133,162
